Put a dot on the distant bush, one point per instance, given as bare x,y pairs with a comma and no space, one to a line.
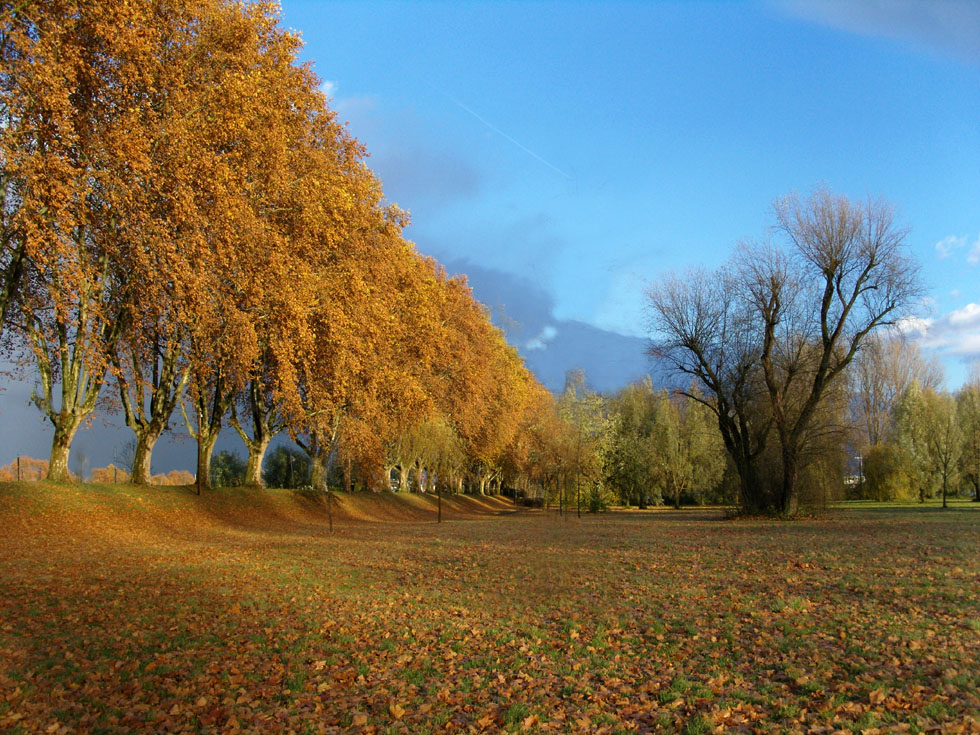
886,475
227,470
287,467
109,474
174,477
30,469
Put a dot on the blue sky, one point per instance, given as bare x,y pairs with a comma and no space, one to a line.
575,152
565,155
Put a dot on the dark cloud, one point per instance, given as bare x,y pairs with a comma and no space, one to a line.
551,347
523,309
415,171
951,27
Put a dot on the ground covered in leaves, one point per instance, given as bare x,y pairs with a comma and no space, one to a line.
126,611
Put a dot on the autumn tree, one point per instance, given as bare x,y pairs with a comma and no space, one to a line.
220,73
33,105
79,140
530,460
266,420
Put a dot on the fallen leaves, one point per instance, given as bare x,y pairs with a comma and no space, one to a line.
567,627
396,710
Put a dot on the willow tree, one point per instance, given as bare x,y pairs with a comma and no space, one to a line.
968,405
685,450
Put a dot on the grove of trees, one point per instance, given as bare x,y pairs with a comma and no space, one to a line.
190,236
187,226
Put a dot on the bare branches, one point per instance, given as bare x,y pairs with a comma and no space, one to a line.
778,325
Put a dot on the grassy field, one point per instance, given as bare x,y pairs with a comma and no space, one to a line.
126,610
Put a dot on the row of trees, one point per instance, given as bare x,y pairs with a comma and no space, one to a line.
640,446
187,227
916,440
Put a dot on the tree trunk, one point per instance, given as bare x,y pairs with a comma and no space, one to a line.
205,448
976,490
60,448
751,498
790,492
318,471
142,459
256,455
944,489
403,477
439,502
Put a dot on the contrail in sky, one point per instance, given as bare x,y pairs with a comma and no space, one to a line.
501,133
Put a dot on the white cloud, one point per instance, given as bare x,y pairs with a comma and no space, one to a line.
951,243
328,88
541,341
947,245
913,326
968,315
973,258
955,333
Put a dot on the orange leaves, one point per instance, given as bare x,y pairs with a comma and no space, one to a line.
396,710
221,215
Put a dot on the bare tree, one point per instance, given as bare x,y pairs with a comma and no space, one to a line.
851,277
774,329
704,331
884,368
